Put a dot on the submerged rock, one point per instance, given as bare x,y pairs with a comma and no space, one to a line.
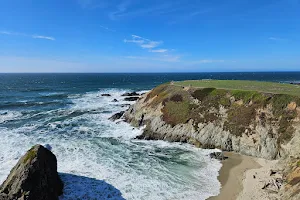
125,105
34,177
131,98
105,95
130,94
218,156
116,116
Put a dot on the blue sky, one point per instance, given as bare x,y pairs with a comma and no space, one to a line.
149,35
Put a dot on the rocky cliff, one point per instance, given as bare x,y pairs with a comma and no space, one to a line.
249,122
254,123
34,177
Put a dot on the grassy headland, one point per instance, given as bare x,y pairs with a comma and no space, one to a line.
260,86
241,99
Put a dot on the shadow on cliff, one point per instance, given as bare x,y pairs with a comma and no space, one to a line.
80,187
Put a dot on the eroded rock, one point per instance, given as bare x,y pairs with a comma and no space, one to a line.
218,156
130,94
131,98
34,177
116,116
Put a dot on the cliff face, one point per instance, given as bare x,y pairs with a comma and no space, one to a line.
249,122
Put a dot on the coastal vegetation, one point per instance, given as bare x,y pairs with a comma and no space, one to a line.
244,101
258,86
260,119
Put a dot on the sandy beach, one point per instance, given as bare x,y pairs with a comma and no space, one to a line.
232,175
243,177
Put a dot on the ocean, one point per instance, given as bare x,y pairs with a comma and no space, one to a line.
97,158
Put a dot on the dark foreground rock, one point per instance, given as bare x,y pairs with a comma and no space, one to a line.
218,156
131,98
34,177
116,116
130,94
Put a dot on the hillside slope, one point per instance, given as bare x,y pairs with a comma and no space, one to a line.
264,123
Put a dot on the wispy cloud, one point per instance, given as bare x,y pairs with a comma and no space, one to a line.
150,45
162,58
188,16
43,37
121,8
157,54
131,8
90,4
108,29
159,50
27,35
12,33
5,32
277,39
143,42
174,11
206,61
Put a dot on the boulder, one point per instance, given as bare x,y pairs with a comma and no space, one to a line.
130,94
218,156
105,95
115,100
125,105
116,116
34,177
131,98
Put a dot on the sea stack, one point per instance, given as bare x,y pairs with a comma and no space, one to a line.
34,177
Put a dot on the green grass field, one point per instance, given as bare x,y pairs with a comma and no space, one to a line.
266,87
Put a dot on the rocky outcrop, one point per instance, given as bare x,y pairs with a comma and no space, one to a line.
130,94
218,156
291,189
131,98
34,177
251,123
105,95
116,116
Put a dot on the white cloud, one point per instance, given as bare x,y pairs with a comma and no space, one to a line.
153,8
134,41
121,8
206,61
276,39
136,57
27,35
91,4
143,42
159,50
43,37
170,58
5,32
136,36
150,45
108,29
12,33
164,58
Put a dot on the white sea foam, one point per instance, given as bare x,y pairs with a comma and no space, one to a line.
8,115
99,159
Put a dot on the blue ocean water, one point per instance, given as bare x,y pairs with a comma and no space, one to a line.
97,158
